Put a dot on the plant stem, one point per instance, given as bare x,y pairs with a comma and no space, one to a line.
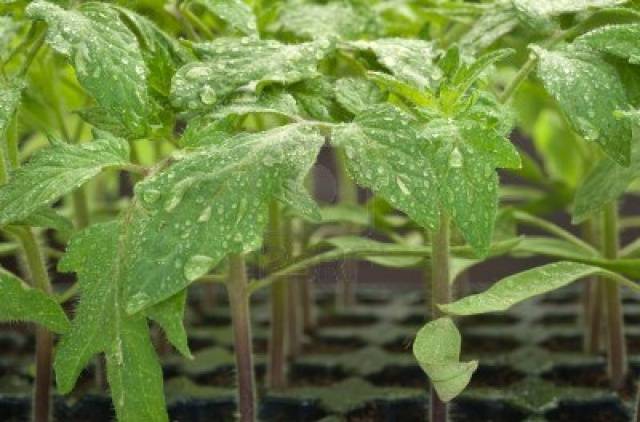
292,245
617,351
592,299
347,194
241,320
32,52
277,369
41,407
440,293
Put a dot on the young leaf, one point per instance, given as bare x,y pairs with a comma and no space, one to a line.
101,325
437,350
229,64
47,217
20,302
410,60
105,55
211,202
236,13
617,40
58,170
588,91
342,19
9,100
606,182
527,284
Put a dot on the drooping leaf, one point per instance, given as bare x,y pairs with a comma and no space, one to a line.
410,60
606,182
58,170
21,302
101,325
343,19
211,202
588,91
527,284
437,350
229,64
236,13
9,101
357,94
106,57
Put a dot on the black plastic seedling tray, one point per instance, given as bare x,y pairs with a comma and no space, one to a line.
357,366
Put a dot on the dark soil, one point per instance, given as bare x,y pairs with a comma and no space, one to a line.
471,410
568,344
400,376
591,376
558,319
495,376
489,319
608,411
307,376
323,346
399,345
335,320
404,410
483,345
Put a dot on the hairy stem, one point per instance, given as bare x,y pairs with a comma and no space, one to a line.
617,351
241,320
41,407
440,293
277,364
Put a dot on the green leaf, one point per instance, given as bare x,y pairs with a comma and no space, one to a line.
47,217
23,303
618,40
343,19
490,27
357,94
465,156
606,182
56,171
384,154
229,64
538,13
588,91
527,284
105,55
236,13
10,93
410,60
162,54
467,75
211,202
453,168
437,350
101,325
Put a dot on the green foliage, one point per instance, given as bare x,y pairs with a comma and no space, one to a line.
236,13
525,285
56,171
617,40
101,325
106,57
588,91
23,303
9,101
229,63
191,216
437,349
